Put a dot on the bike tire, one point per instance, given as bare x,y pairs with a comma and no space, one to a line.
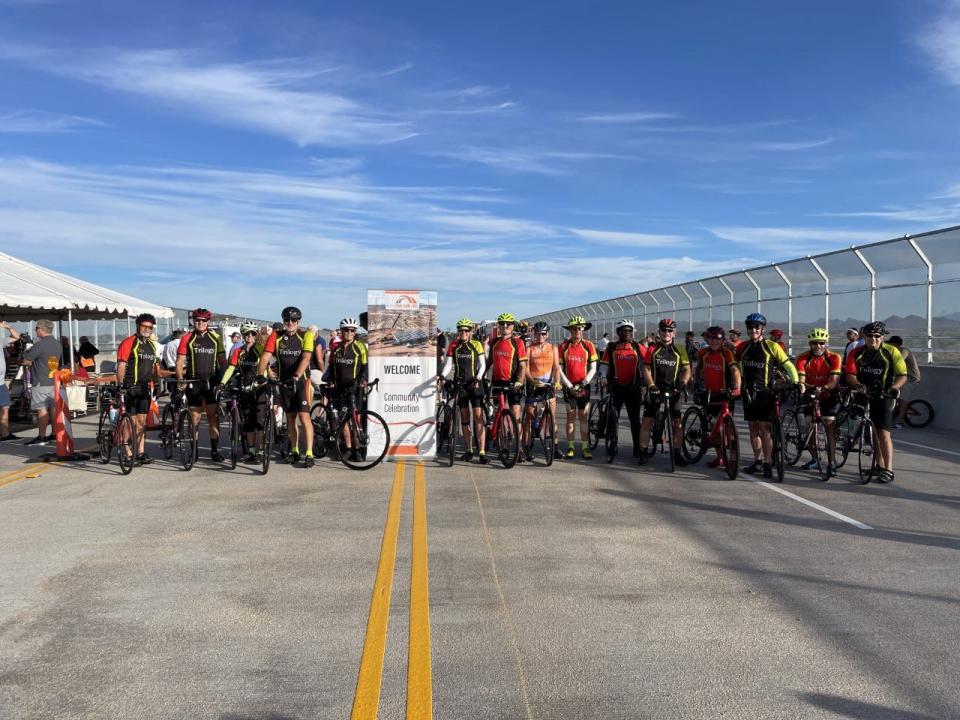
167,431
919,413
443,428
668,426
776,434
548,437
186,439
595,430
508,440
235,434
844,439
126,434
452,438
611,433
269,430
730,447
866,451
793,436
322,429
105,436
693,442
821,450
367,431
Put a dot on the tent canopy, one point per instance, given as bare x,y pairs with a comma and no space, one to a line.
31,292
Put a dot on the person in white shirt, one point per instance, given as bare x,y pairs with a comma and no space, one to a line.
4,392
168,355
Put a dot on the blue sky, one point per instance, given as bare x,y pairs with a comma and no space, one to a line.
513,156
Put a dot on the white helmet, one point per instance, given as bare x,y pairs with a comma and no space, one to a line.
624,324
349,322
248,327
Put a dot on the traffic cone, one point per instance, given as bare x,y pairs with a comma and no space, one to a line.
61,424
153,417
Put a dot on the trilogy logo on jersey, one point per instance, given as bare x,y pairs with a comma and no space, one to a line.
204,350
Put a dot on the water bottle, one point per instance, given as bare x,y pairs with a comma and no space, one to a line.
113,416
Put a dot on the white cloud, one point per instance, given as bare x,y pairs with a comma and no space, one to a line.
941,41
527,161
485,224
627,118
792,146
38,121
631,239
781,242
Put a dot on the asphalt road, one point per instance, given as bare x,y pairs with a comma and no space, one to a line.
583,590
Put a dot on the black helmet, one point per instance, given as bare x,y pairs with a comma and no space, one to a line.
277,327
146,317
875,328
667,324
291,313
540,326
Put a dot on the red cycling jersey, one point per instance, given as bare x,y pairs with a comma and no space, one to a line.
715,365
506,354
623,358
818,370
575,359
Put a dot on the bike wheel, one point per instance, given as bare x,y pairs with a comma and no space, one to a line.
235,435
866,452
370,438
186,439
611,434
105,437
508,440
845,428
126,435
548,436
269,431
821,451
730,447
693,443
595,429
919,413
455,429
793,436
776,434
167,431
668,427
443,428
322,429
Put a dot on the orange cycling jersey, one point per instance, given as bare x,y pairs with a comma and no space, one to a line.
540,361
818,370
575,359
506,354
714,366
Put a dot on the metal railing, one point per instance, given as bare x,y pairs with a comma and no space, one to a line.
911,283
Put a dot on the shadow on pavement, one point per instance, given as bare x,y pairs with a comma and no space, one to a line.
860,710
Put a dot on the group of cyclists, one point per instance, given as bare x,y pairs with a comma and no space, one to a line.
203,370
756,370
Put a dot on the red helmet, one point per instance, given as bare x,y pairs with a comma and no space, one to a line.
776,333
201,314
667,324
714,332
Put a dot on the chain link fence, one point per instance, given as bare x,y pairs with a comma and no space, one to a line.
911,283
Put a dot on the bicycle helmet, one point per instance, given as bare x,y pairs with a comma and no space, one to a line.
248,327
464,322
622,324
818,335
291,313
714,332
146,317
756,319
541,326
201,314
578,321
506,318
875,328
667,324
349,323
776,333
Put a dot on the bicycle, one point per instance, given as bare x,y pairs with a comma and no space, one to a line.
919,412
810,434
274,431
542,423
448,421
368,433
177,428
604,424
502,428
863,439
776,432
231,423
116,429
663,421
722,435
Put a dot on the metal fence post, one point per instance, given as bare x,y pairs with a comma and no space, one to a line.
709,302
873,282
926,261
826,293
729,290
689,306
789,303
756,287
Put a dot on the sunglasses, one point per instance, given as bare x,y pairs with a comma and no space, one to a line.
251,332
197,322
754,327
873,335
146,327
817,342
343,330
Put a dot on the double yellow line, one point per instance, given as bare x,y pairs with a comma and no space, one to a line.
33,470
366,700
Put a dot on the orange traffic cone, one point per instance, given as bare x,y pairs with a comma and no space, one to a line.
153,417
61,423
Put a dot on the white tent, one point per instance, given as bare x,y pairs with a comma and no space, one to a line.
31,292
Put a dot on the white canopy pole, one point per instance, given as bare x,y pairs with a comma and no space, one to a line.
70,325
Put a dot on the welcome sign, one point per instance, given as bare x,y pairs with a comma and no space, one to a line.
401,334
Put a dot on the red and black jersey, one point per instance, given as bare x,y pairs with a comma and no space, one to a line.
575,359
204,353
141,356
715,367
666,364
506,354
624,358
817,370
246,361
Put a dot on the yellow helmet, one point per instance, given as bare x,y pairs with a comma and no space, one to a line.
506,317
578,321
818,335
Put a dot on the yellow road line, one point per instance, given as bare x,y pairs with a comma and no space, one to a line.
419,672
366,700
30,471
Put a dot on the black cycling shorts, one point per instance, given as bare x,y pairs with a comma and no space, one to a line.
296,398
137,399
653,402
881,412
758,406
470,397
199,394
514,396
251,405
580,403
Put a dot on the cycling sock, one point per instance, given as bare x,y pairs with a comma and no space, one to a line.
310,452
214,442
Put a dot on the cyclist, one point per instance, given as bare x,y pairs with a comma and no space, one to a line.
138,367
758,358
348,371
819,372
507,362
293,349
578,364
543,378
666,367
201,357
243,364
733,341
468,362
718,371
777,336
621,368
878,369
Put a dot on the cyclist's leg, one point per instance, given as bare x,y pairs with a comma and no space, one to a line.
649,417
304,396
881,413
633,414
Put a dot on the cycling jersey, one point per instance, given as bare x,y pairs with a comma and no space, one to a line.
756,361
715,367
289,350
203,353
817,370
540,361
348,364
877,369
506,355
575,359
468,359
244,363
623,359
666,364
141,356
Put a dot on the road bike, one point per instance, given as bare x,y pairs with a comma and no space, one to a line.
604,423
116,429
804,428
722,435
862,438
779,393
177,429
919,413
662,425
231,422
347,420
502,428
542,423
